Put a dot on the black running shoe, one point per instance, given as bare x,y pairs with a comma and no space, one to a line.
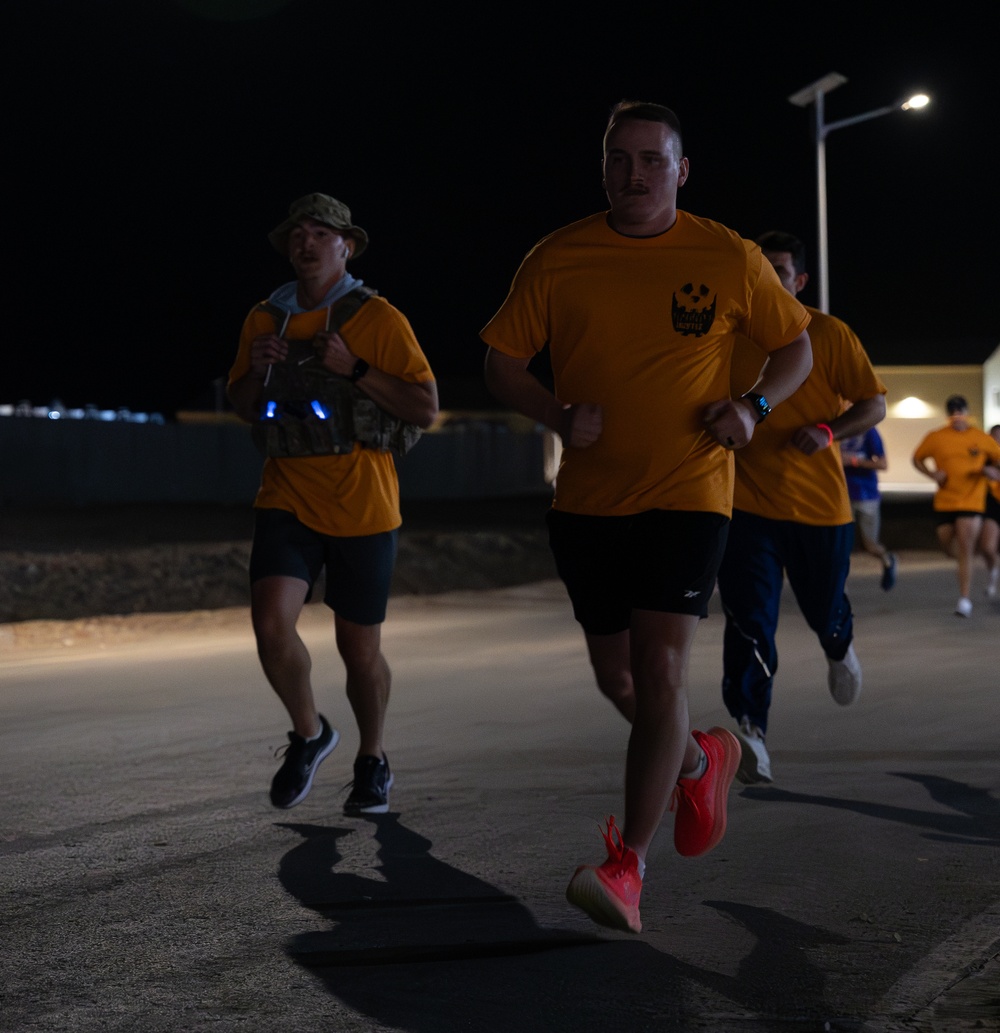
370,788
294,779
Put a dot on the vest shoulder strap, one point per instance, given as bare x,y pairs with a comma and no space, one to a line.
348,305
337,315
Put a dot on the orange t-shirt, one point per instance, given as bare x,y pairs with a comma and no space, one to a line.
644,327
962,454
356,493
773,478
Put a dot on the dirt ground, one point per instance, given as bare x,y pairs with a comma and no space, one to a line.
97,574
97,567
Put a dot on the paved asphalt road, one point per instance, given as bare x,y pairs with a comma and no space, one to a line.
148,885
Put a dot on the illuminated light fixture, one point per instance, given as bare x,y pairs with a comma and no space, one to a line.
813,94
912,408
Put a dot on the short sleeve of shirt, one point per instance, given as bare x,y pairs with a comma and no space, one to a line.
873,444
521,327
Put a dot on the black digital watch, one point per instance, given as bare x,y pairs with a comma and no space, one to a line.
360,369
759,403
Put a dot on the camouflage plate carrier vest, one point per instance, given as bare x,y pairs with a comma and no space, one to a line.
309,411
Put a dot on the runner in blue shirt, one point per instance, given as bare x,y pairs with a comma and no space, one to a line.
863,456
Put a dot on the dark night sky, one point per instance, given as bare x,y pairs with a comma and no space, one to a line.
152,144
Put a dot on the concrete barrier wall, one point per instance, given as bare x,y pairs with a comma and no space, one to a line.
89,462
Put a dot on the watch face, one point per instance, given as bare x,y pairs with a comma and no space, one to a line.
759,402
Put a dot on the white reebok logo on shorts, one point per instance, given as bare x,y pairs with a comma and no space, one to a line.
691,593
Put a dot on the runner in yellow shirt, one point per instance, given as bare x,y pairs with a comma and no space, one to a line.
965,459
792,518
337,506
989,538
639,306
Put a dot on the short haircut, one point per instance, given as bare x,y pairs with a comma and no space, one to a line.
956,403
776,240
644,111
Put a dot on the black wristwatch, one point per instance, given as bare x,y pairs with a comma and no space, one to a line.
360,369
759,403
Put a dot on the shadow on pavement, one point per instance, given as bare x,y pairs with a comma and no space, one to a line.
976,820
409,944
778,961
423,946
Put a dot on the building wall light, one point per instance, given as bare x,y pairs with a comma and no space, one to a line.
911,408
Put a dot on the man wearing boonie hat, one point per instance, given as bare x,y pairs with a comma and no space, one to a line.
339,510
321,208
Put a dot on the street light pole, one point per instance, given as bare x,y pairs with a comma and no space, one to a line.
813,94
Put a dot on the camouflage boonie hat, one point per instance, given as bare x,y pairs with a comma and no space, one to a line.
325,209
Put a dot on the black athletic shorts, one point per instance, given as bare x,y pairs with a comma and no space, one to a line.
661,560
358,568
949,516
992,508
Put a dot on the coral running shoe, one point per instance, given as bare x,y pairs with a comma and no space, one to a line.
609,893
700,803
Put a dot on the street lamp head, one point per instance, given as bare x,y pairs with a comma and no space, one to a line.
916,102
808,94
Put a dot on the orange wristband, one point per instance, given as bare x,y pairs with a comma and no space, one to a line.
823,426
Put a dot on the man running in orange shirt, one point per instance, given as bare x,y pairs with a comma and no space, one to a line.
792,516
324,503
965,460
638,306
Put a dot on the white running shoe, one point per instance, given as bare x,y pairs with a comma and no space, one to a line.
963,608
844,677
994,583
755,764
